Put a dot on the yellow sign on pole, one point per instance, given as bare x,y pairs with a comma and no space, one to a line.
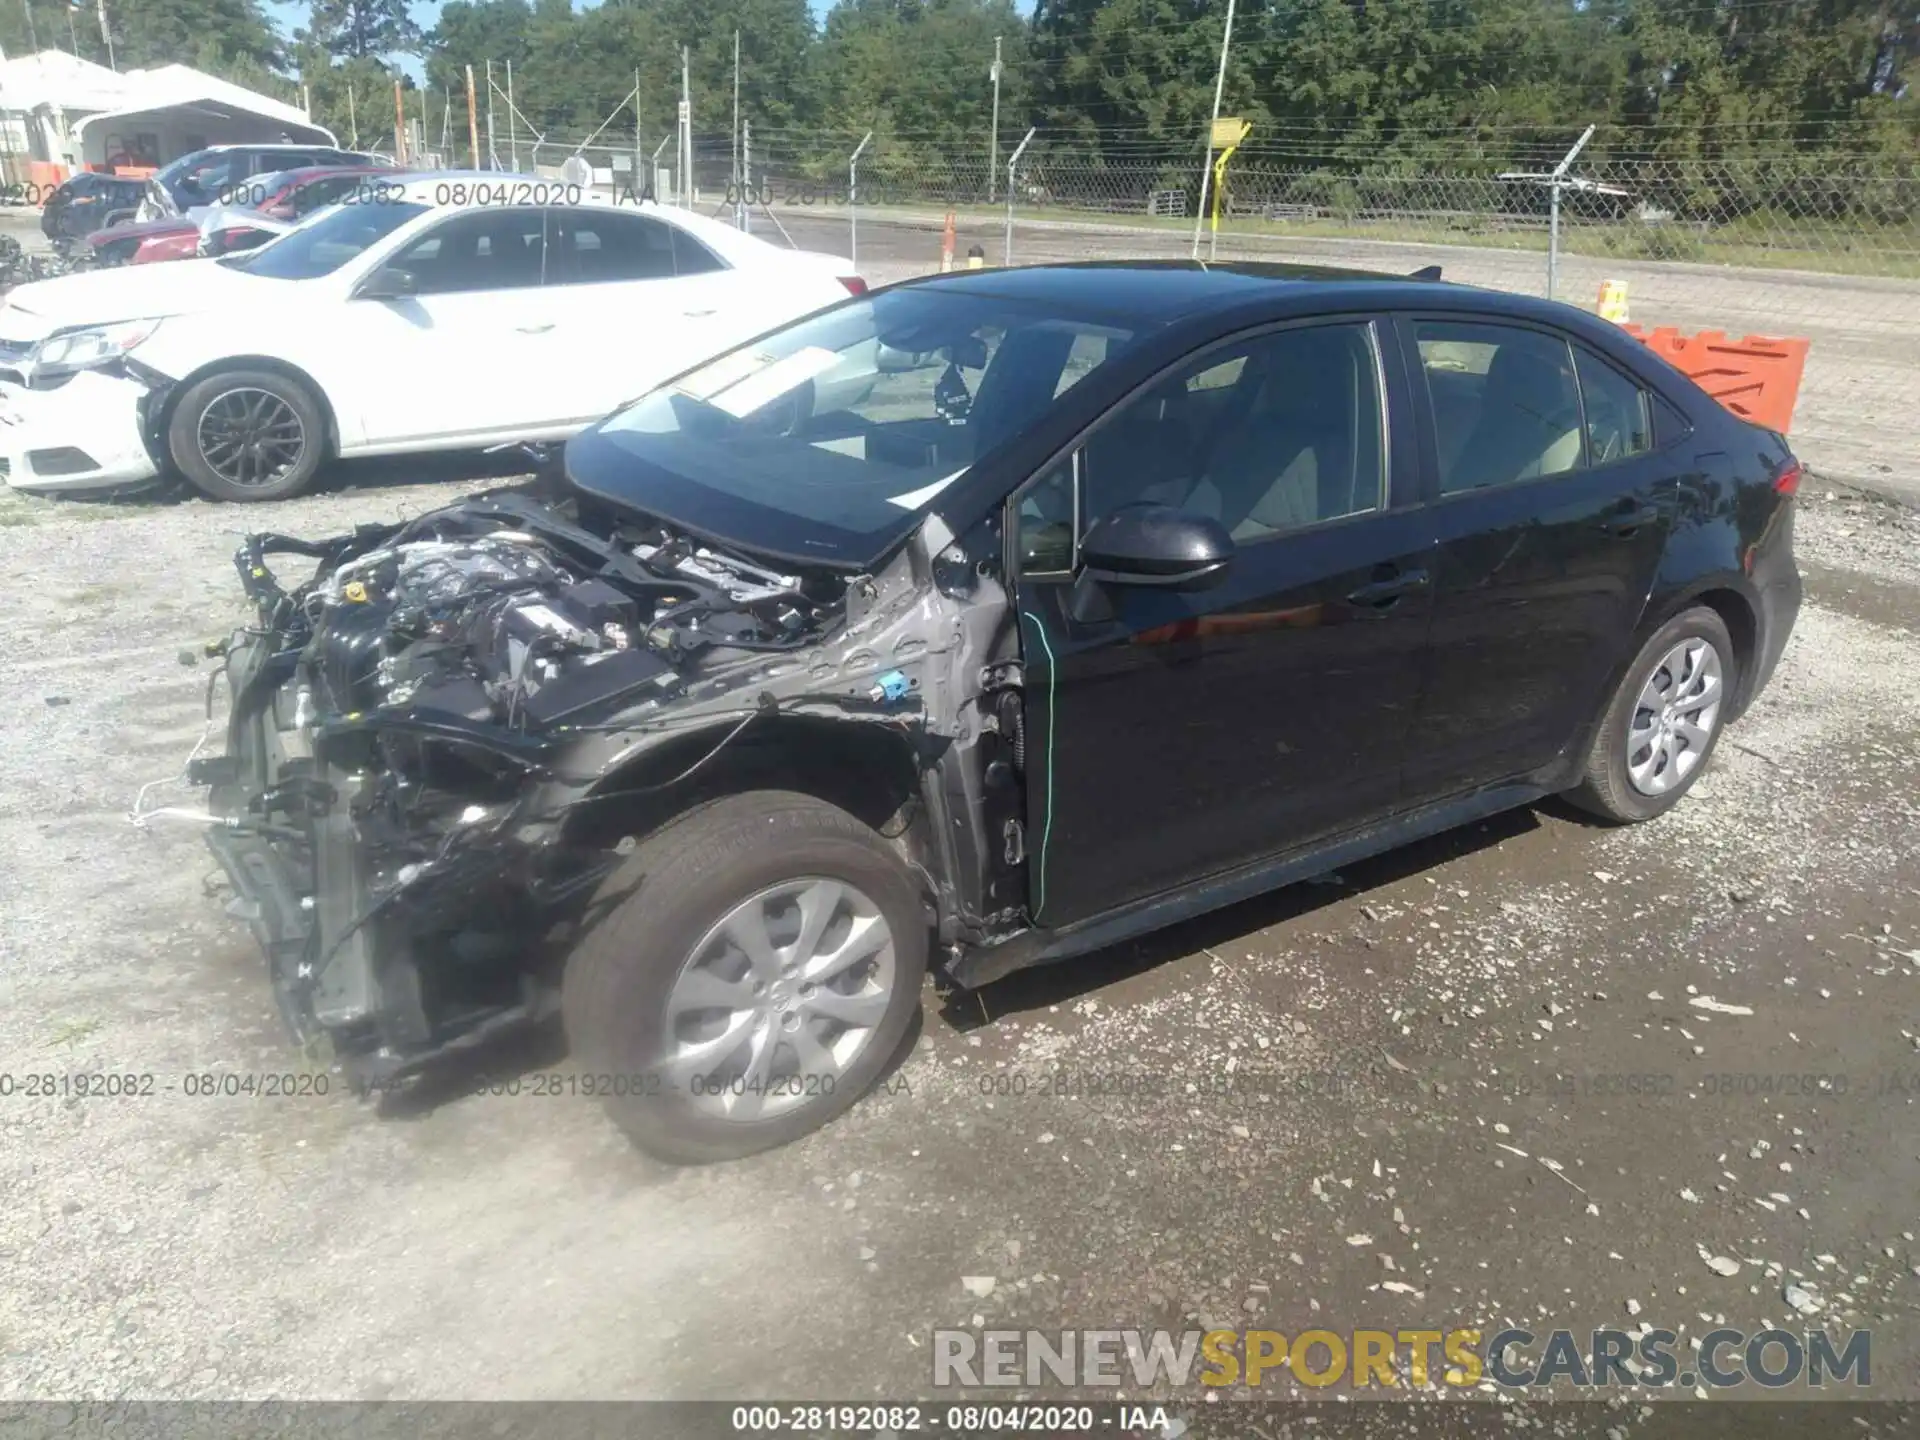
1230,131
1227,135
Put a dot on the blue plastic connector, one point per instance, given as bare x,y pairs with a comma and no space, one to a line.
890,687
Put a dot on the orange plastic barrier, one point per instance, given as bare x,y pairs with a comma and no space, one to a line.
1756,377
45,174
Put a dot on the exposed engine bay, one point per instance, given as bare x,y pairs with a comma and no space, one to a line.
439,745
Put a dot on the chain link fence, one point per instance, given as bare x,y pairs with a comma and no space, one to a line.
1791,242
1774,240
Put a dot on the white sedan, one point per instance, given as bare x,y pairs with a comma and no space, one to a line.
435,313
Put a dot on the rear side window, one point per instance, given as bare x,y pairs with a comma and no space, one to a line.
690,257
1619,423
599,248
1669,424
1506,403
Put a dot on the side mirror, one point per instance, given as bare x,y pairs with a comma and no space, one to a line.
1159,546
387,283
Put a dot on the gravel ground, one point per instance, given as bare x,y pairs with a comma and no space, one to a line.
1396,1055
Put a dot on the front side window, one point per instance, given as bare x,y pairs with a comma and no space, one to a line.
483,249
1267,437
1506,403
1619,425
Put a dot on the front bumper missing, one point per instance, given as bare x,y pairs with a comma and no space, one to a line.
87,435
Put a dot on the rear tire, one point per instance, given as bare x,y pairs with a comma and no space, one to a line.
1660,726
661,1001
248,435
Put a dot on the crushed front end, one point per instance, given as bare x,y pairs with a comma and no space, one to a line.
416,732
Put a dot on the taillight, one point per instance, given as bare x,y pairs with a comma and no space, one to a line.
1787,482
855,285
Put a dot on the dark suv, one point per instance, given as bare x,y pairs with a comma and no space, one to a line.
985,620
86,202
220,175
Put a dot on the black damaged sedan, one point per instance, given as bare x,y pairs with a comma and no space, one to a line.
978,622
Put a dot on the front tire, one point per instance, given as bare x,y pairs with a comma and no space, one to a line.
757,970
1660,727
248,435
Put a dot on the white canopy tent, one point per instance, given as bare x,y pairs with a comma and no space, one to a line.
58,110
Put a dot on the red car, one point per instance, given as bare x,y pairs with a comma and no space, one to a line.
286,195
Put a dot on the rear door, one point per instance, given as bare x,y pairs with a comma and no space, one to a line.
1180,735
1550,511
626,311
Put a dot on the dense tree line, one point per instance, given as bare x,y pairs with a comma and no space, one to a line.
1367,81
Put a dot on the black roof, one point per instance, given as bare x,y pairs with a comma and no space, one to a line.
1166,290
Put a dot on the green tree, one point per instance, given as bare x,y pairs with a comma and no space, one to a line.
362,29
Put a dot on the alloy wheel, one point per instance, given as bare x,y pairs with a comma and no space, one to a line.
1674,718
251,437
778,999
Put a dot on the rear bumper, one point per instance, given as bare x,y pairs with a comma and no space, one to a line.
1779,606
84,436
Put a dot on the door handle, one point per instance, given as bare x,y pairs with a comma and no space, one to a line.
1625,524
1381,594
534,329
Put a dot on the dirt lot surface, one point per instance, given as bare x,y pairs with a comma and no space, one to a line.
1482,1069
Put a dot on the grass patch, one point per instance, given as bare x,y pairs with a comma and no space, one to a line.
72,1032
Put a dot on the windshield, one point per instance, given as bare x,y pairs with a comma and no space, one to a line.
326,242
199,178
825,439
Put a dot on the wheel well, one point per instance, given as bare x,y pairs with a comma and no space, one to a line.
867,770
1733,608
164,422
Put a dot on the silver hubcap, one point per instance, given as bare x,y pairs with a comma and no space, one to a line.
778,999
1678,708
251,437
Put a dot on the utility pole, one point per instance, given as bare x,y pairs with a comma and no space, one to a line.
33,40
1206,173
686,127
513,130
993,141
640,186
399,124
493,150
106,34
73,35
739,198
473,123
353,118
746,173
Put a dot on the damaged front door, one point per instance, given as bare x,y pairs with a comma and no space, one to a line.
1178,733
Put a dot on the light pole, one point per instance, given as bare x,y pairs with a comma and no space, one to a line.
1206,171
993,141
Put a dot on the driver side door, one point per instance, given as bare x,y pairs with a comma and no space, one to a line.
1173,735
467,357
